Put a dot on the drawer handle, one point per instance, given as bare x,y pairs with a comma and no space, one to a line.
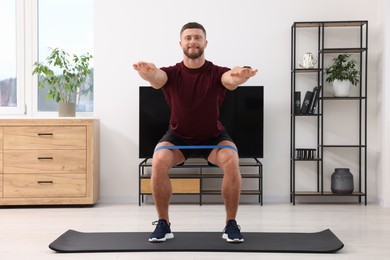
45,158
45,182
45,134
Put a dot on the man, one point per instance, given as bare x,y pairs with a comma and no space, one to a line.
194,90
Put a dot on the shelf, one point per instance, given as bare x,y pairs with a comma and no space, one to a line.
307,160
214,192
202,163
343,146
199,175
301,115
327,193
313,70
243,192
343,50
344,24
174,193
329,24
342,98
174,176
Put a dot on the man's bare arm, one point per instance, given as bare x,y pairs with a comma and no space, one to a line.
237,76
149,72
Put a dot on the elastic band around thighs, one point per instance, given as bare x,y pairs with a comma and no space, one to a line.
179,147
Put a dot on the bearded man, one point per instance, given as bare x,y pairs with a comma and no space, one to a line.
194,90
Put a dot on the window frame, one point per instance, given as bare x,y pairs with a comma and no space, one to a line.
27,47
20,24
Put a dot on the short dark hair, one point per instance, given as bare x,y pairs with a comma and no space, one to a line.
193,25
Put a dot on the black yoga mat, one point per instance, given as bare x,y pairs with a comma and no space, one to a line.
77,242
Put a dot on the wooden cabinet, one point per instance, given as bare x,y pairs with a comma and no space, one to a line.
49,161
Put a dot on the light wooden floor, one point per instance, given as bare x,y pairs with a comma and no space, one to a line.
25,233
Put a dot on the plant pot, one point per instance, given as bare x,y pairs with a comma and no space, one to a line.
66,109
341,88
342,181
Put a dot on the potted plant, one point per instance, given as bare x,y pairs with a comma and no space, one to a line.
342,73
64,75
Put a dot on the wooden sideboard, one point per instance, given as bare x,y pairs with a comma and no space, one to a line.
49,161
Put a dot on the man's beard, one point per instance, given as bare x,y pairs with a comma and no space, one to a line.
194,55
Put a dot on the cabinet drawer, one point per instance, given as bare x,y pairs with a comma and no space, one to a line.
1,185
1,150
44,185
1,161
45,137
184,185
45,161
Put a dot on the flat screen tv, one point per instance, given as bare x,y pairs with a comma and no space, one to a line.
241,113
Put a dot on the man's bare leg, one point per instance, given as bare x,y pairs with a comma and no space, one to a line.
228,161
163,160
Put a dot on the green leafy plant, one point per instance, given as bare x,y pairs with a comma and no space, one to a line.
343,69
65,86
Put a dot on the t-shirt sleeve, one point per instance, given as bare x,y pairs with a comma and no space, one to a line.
170,71
220,71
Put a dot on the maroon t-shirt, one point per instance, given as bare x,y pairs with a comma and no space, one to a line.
194,97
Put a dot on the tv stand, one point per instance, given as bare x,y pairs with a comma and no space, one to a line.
194,183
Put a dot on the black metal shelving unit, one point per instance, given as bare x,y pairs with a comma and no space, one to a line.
321,29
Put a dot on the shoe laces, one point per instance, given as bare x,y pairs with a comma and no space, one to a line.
232,227
160,223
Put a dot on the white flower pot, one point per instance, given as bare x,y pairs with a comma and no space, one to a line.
66,109
341,88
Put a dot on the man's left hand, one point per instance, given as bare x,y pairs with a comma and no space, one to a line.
243,72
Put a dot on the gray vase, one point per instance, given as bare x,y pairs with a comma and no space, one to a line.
66,109
342,181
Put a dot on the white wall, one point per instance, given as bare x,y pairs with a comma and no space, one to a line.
384,106
248,32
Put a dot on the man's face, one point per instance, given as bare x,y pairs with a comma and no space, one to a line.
193,42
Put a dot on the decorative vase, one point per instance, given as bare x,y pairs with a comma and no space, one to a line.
66,109
342,181
341,88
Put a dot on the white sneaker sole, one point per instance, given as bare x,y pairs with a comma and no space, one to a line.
236,240
167,236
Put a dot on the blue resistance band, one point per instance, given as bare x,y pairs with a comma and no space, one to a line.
179,147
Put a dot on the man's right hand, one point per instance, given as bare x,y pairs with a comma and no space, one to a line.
145,67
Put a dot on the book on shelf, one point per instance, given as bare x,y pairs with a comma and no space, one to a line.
314,100
310,101
297,102
306,102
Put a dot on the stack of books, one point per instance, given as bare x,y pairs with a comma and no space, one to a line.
309,104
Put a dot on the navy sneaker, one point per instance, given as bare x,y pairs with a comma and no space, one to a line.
162,231
232,232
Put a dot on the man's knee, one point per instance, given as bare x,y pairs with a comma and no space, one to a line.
227,159
162,161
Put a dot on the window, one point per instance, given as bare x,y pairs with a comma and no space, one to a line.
67,24
27,30
11,71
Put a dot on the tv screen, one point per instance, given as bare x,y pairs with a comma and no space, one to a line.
241,113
